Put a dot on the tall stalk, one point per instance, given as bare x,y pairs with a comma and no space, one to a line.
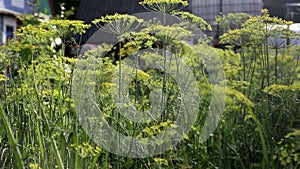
12,140
53,142
244,63
265,161
165,73
276,63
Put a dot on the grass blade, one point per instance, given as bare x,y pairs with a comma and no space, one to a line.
12,140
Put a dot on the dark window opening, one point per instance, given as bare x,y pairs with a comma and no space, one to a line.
9,33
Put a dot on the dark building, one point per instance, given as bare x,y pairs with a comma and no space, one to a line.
92,9
286,9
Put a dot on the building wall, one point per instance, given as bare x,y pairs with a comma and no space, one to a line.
7,23
209,9
278,8
19,6
1,27
9,10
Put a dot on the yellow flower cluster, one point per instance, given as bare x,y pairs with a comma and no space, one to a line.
151,2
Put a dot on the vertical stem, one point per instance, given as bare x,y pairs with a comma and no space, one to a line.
244,64
76,162
134,125
53,142
265,160
282,64
243,109
12,139
63,47
164,80
120,70
267,56
164,75
263,65
120,85
254,62
276,63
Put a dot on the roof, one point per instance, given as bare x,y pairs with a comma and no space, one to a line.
9,12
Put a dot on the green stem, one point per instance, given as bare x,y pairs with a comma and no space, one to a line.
12,139
244,64
276,63
53,143
75,126
265,162
63,47
238,156
164,76
267,54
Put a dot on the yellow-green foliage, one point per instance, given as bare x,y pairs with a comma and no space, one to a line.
288,152
168,34
86,150
258,128
67,28
283,91
164,6
193,19
118,24
232,21
255,30
183,2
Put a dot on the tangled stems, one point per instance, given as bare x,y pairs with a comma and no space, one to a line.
120,25
164,7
